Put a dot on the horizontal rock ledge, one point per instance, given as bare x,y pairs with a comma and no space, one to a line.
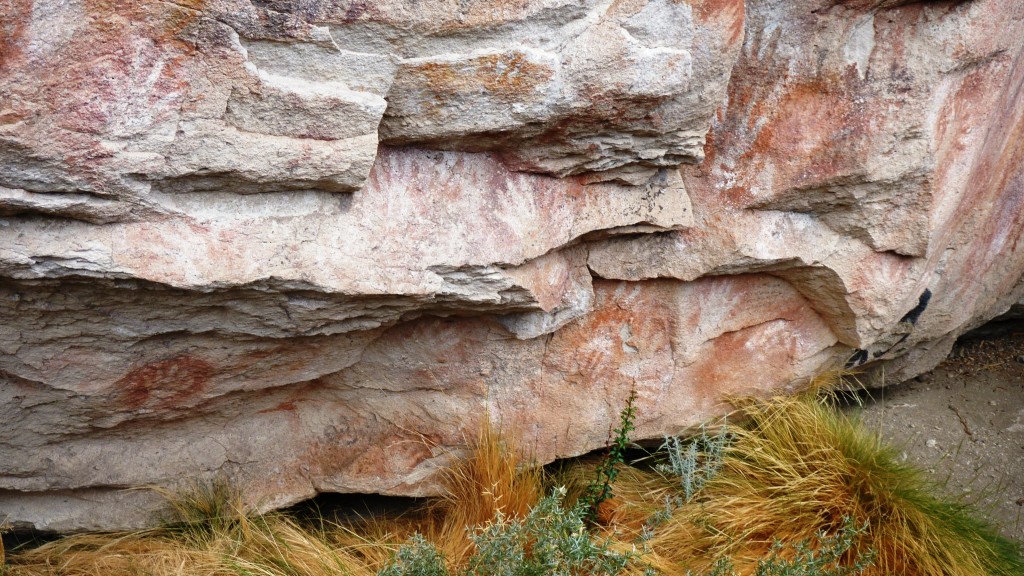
308,247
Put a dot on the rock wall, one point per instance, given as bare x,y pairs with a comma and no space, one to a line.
308,246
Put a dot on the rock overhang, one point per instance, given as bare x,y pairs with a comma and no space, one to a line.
309,246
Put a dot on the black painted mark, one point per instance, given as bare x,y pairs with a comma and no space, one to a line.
859,357
922,303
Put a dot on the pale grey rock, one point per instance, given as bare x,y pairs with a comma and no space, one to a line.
309,246
75,206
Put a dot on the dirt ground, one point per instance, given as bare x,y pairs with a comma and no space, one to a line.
964,424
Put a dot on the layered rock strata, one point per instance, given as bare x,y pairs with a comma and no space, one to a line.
309,246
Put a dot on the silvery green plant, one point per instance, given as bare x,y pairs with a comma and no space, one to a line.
822,555
550,541
418,557
695,460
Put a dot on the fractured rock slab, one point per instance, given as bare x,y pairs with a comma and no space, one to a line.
309,246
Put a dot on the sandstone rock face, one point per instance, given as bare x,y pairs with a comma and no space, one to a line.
309,246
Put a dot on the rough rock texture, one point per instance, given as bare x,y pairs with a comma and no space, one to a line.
309,245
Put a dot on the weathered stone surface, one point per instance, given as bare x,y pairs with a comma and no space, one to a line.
309,246
873,167
105,103
381,410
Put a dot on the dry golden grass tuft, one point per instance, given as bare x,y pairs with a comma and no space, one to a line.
232,543
793,469
495,477
797,468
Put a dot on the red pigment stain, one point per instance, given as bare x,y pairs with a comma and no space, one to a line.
736,196
165,383
815,127
12,31
961,113
288,406
627,315
356,11
730,11
371,449
84,98
725,364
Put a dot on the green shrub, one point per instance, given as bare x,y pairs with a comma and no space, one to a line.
831,496
417,558
550,541
608,470
695,460
823,555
